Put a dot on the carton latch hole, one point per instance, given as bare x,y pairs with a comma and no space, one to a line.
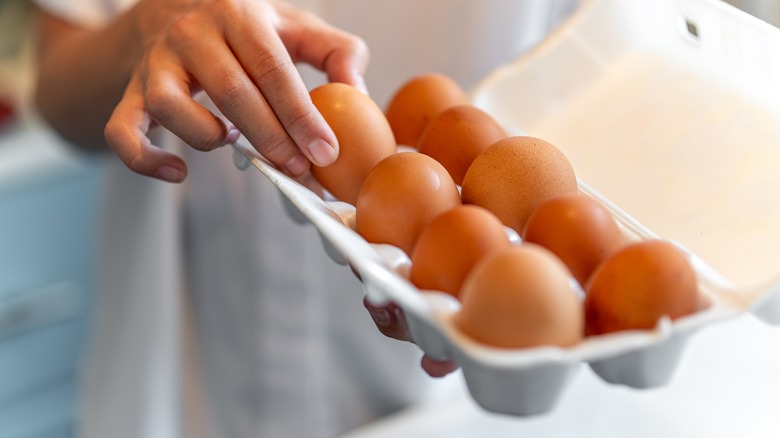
692,29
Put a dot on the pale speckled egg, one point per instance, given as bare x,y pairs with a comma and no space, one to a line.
520,297
363,133
401,196
516,174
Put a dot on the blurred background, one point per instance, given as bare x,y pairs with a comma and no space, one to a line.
49,207
48,215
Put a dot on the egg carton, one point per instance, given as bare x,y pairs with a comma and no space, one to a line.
670,110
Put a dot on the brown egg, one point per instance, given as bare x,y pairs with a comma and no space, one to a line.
457,136
452,244
514,175
520,297
364,137
401,196
637,286
418,101
577,229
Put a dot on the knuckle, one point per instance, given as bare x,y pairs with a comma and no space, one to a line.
277,147
357,48
232,89
357,45
183,28
116,136
160,101
301,120
112,133
270,68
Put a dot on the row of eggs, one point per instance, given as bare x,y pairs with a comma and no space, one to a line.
447,205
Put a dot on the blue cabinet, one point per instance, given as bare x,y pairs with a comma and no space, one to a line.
48,266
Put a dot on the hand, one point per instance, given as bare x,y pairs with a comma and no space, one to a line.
242,54
391,322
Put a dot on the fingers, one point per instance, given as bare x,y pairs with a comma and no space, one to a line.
228,85
267,62
343,56
347,64
126,132
389,320
169,102
243,57
437,368
160,92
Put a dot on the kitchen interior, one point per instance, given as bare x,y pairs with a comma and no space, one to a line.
49,203
49,214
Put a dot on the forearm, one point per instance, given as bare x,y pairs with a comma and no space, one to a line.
82,74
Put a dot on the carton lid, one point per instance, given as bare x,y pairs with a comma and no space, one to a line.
671,110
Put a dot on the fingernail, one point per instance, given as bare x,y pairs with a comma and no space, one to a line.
297,165
360,84
322,152
382,317
232,136
170,174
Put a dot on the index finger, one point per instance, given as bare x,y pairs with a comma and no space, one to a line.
268,64
126,133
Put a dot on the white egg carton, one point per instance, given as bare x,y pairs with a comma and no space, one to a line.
669,109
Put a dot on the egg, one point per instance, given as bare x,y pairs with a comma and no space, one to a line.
400,196
516,174
457,136
520,297
576,228
637,286
418,101
452,244
363,133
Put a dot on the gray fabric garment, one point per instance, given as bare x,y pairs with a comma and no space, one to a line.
282,343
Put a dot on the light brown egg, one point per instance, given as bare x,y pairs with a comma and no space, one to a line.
452,244
457,136
520,297
577,229
401,196
418,101
514,175
364,137
637,286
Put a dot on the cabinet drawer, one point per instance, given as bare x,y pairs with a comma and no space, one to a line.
48,235
47,413
41,337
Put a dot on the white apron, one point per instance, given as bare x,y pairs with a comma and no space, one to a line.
209,282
